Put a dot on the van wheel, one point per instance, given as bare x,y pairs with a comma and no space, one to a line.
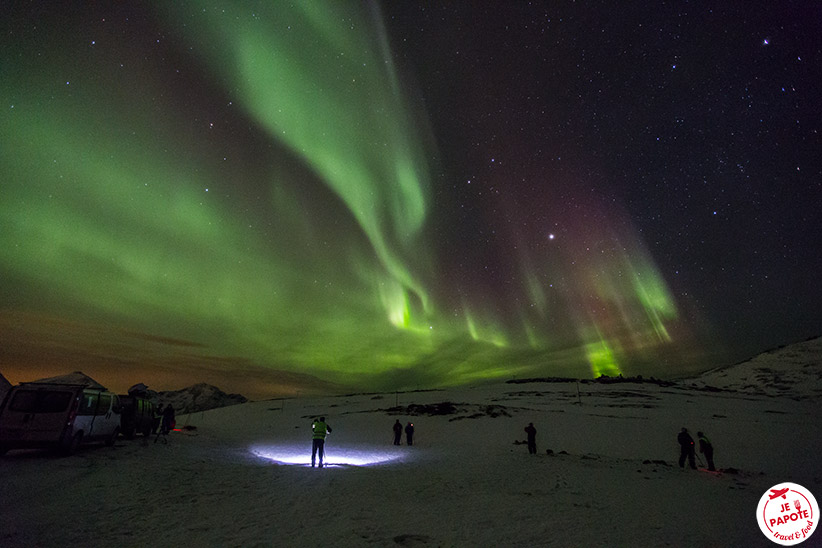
111,439
146,431
71,447
130,433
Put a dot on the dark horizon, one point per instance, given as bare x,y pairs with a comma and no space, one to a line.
268,385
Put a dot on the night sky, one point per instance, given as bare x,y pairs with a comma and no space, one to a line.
399,195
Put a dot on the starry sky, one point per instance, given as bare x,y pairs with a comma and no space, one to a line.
278,198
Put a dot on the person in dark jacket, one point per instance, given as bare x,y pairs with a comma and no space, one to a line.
409,433
686,449
706,449
532,438
397,432
169,421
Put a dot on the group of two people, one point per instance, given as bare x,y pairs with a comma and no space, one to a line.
686,443
164,419
409,433
687,449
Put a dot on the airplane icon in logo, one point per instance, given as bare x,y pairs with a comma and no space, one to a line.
776,493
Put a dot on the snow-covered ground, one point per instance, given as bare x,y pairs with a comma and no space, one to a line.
613,478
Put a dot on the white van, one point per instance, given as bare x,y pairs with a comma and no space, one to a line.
60,416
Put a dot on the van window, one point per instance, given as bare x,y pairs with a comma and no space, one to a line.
24,401
40,401
89,404
105,403
53,402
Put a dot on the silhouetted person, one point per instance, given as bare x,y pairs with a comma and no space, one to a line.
320,429
409,434
532,438
686,448
707,449
169,421
397,432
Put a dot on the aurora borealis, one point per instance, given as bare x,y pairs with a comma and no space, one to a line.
272,197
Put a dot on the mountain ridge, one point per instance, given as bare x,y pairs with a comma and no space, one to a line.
793,370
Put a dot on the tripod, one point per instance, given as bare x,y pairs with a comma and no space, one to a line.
163,431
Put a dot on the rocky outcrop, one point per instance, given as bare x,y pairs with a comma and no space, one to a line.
200,397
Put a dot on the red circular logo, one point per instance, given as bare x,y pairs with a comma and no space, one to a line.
787,514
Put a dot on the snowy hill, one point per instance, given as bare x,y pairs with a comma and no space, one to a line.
199,397
792,371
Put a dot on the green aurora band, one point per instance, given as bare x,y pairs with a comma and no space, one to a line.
116,209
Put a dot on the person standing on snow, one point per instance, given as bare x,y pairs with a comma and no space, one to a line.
686,448
169,419
409,434
532,438
397,432
320,429
707,449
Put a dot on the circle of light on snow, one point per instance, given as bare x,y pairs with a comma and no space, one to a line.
337,456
